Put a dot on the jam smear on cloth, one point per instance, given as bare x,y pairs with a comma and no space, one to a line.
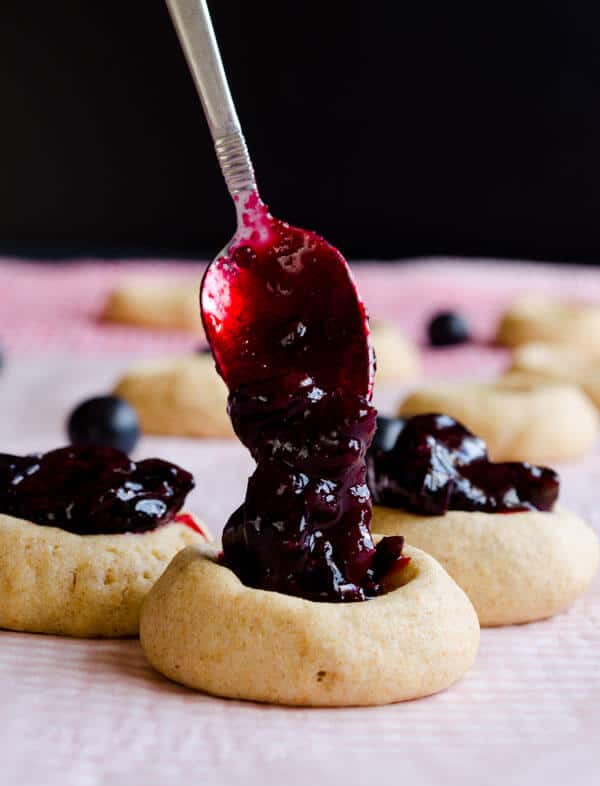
290,338
92,490
435,464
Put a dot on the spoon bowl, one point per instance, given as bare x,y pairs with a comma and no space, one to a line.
275,290
279,297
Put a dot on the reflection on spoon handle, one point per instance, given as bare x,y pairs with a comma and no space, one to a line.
197,37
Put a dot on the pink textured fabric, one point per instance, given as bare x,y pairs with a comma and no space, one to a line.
90,712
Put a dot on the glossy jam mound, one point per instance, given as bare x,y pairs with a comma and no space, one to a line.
289,336
92,490
282,301
429,464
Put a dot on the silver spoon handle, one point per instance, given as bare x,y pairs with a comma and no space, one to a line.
197,37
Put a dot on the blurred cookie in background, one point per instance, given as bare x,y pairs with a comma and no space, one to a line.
397,356
560,362
183,397
158,304
520,418
552,320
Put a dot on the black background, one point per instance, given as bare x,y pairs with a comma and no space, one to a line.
394,128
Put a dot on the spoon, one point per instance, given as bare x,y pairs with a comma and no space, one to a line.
277,298
290,337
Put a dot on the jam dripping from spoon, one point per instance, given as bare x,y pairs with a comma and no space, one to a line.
290,338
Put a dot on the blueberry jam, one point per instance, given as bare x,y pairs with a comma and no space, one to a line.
290,338
92,490
429,464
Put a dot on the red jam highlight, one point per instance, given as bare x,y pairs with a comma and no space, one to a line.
428,464
290,338
189,521
92,490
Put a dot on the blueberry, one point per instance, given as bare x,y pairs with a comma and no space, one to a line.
204,349
106,421
447,328
388,431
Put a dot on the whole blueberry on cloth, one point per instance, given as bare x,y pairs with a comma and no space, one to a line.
106,421
447,328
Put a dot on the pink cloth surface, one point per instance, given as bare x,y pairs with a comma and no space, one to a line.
57,306
94,712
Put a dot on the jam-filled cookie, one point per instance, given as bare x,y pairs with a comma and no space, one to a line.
520,418
302,606
396,356
496,528
203,627
162,305
182,397
560,362
548,319
84,534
